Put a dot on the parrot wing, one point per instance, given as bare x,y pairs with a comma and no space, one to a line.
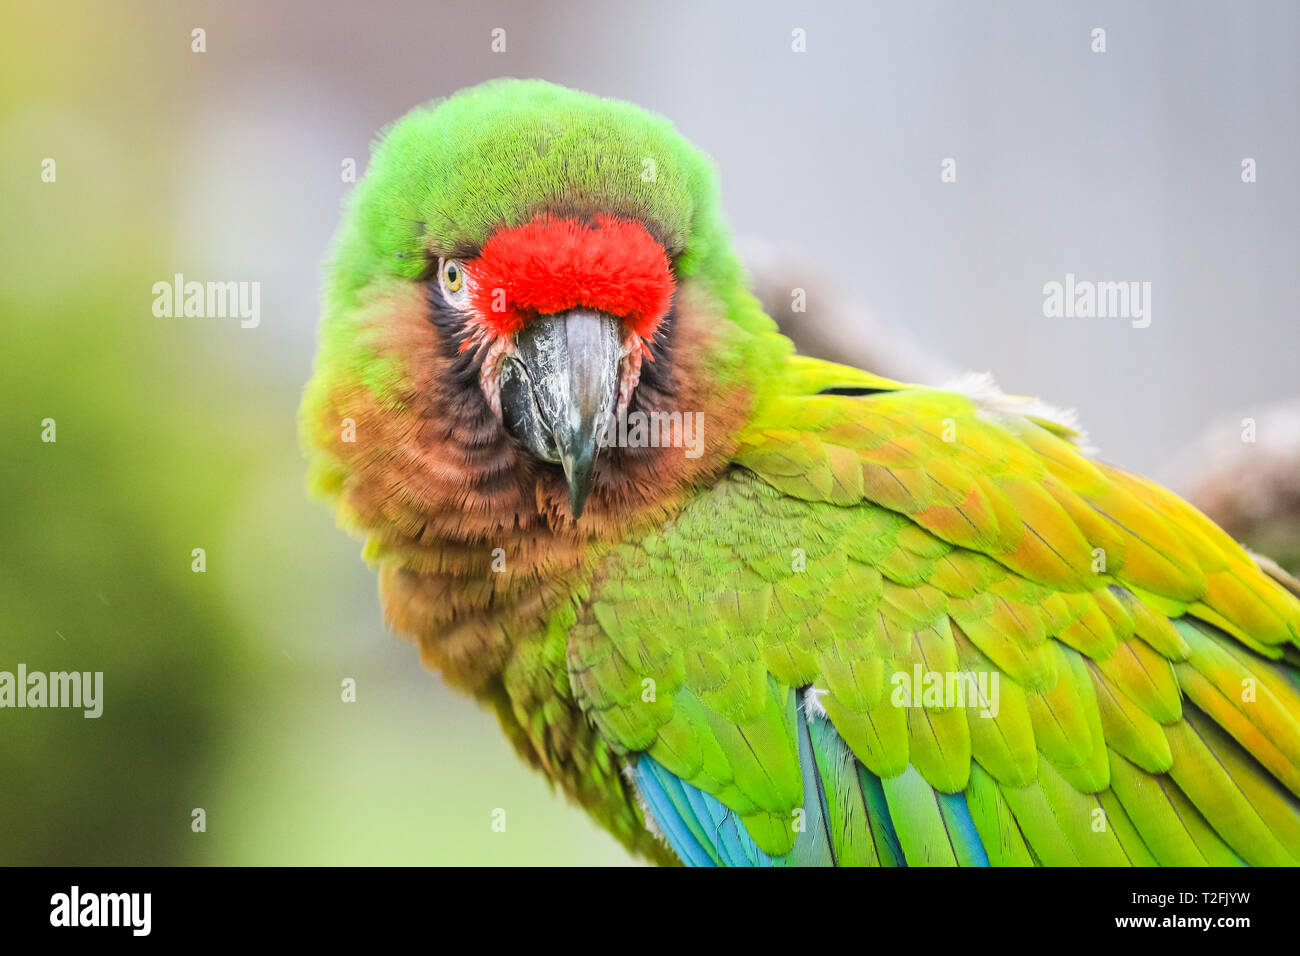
912,627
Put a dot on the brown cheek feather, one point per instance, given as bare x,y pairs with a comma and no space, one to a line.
436,484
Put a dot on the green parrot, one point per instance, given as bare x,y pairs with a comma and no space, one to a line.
747,607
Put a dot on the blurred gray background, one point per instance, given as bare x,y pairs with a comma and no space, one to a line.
1119,166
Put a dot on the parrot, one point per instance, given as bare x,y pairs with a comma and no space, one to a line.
746,607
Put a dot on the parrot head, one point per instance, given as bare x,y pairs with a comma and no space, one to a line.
535,336
561,311
523,266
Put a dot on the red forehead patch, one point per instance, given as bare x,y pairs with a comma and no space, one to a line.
551,264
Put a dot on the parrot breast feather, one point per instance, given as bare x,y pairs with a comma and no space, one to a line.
764,660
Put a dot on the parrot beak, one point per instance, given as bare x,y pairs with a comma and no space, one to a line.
558,391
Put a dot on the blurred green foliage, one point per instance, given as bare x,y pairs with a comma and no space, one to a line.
222,688
96,558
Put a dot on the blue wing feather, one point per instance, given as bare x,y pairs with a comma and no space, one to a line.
850,816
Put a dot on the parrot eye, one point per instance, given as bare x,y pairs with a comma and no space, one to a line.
452,281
